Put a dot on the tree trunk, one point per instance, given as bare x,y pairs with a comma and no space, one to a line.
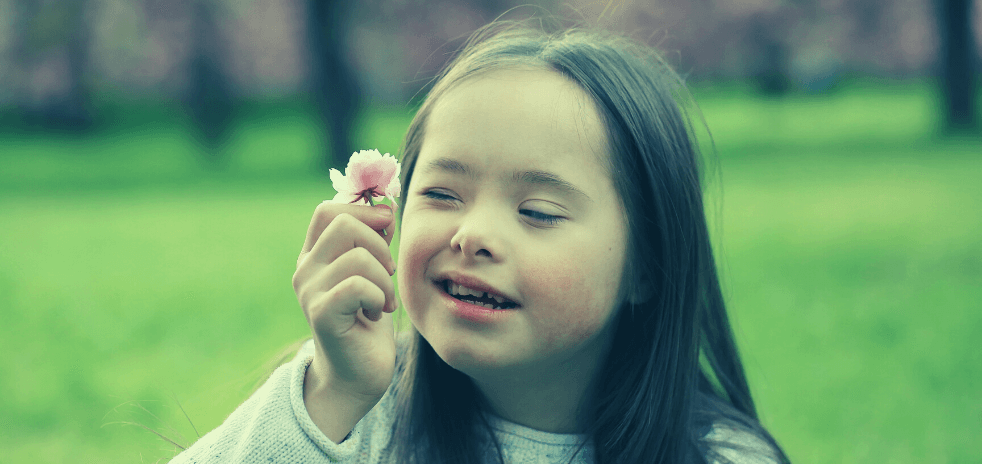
770,57
53,36
958,87
209,97
76,108
334,84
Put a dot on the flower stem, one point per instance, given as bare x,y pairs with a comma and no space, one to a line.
372,203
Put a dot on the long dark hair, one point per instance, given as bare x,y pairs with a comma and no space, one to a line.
655,400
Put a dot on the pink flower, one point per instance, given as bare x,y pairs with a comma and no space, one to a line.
368,175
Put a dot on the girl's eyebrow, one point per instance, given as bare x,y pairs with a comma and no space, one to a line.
537,177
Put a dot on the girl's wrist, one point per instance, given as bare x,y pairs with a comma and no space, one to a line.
333,406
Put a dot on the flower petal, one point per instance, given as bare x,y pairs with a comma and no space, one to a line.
393,190
364,169
368,170
392,186
341,183
364,156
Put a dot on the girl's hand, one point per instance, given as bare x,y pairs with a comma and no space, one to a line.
344,285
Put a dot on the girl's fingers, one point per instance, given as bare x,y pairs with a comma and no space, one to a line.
344,300
356,293
376,218
357,262
344,233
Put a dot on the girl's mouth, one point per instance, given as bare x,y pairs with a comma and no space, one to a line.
476,297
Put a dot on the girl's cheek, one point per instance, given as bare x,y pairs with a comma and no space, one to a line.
408,272
574,301
416,248
408,258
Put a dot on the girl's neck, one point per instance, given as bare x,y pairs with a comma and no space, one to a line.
550,408
554,400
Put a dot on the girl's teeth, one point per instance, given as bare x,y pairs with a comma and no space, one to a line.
460,290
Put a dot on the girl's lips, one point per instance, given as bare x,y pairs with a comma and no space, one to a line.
474,283
456,291
470,311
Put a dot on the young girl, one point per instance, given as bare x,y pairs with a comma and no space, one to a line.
556,266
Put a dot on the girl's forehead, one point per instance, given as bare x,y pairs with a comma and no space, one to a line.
529,116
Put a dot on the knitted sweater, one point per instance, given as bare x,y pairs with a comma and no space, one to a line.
273,426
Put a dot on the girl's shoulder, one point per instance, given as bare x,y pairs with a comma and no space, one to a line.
729,436
728,443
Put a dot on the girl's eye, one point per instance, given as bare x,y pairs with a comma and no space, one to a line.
436,195
535,216
544,218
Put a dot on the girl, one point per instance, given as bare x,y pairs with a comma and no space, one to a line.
556,266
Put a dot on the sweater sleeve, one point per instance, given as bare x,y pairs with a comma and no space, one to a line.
273,426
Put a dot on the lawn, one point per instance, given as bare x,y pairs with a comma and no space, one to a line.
134,282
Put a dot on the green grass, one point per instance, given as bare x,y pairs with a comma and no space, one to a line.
131,277
856,291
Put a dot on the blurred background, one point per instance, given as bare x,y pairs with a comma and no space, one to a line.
160,160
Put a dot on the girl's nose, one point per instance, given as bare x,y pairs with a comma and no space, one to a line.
476,238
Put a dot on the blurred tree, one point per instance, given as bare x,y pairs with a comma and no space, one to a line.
958,61
770,59
51,52
209,97
335,87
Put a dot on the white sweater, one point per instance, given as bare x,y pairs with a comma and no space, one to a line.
273,426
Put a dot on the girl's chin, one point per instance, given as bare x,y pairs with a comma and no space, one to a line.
477,361
466,361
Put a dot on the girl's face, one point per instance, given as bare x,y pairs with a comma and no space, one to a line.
509,196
